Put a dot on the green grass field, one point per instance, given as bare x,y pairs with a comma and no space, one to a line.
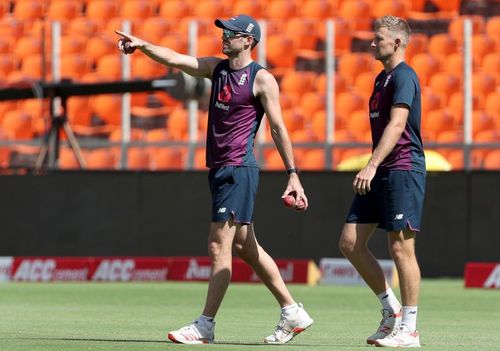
137,316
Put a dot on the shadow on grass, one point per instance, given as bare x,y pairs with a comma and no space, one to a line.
233,343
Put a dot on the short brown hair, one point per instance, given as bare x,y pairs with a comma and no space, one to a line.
395,25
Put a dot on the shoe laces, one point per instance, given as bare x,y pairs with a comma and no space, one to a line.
399,330
280,327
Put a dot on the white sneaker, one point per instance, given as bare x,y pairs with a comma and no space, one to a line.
195,333
400,337
289,326
387,324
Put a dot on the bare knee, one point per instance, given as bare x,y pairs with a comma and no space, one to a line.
348,246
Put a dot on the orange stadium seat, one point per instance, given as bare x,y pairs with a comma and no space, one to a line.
200,159
154,28
492,160
357,12
136,9
297,82
353,64
340,83
493,28
312,102
487,136
316,9
293,120
71,44
102,9
418,44
177,124
483,84
280,51
438,121
358,124
175,42
6,45
109,66
491,65
28,10
430,101
167,159
11,28
425,65
101,159
444,84
99,46
32,66
347,103
27,45
138,158
454,63
394,7
78,110
74,66
209,45
83,26
364,84
492,106
64,10
145,68
107,107
343,34
313,160
17,125
8,63
175,9
482,45
442,45
210,9
452,6
302,32
288,101
280,9
249,7
481,121
456,105
456,26
67,159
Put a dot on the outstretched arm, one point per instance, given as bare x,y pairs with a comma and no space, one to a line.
267,89
197,67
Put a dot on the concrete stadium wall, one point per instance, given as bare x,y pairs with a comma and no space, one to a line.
167,214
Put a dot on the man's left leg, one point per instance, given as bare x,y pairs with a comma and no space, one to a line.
402,248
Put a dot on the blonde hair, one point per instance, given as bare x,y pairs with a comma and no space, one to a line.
395,25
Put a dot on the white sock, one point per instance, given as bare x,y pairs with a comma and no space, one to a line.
290,309
389,301
410,317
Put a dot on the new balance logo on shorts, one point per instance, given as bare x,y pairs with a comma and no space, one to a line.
398,216
222,210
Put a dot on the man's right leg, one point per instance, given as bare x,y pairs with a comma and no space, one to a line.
220,241
353,244
294,319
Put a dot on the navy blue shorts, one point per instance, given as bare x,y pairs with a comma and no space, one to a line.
395,201
233,191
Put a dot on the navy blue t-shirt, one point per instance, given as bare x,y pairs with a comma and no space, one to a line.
399,86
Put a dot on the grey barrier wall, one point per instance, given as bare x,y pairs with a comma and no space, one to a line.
168,214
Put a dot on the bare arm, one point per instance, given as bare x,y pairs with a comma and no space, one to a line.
197,67
391,135
267,89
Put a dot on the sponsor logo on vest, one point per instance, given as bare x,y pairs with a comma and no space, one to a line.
243,79
493,280
222,106
374,114
197,272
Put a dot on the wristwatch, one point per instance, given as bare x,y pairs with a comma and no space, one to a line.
292,170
